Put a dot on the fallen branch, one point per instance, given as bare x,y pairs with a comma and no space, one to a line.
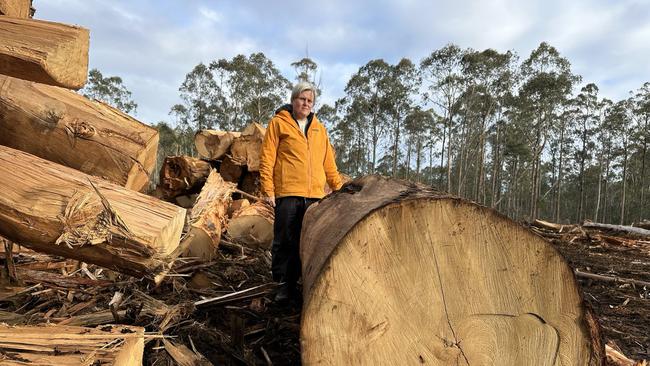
594,276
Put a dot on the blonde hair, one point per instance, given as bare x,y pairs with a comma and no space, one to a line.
301,87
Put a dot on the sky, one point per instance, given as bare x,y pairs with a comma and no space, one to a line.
152,45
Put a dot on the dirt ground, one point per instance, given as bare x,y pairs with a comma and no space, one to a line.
623,309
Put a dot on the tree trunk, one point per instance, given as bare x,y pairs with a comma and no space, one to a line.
212,144
208,216
44,52
15,8
62,345
245,149
183,175
252,225
412,276
57,210
61,126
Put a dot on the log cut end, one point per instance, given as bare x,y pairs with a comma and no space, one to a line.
427,279
252,225
46,52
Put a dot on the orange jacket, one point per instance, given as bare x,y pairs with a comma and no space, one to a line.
294,165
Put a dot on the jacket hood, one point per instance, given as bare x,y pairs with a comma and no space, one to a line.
289,108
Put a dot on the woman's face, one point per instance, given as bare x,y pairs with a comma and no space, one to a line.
302,104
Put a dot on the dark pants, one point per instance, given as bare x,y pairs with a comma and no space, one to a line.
285,252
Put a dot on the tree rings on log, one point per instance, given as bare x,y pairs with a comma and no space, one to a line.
397,274
252,225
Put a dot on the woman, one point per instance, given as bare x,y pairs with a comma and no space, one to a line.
296,161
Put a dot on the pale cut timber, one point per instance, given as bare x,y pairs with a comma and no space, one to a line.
632,230
56,210
182,175
58,345
15,8
396,274
213,144
252,225
208,216
245,149
64,127
44,52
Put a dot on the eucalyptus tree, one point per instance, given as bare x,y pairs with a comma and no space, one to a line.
443,79
547,83
587,120
368,93
640,104
200,95
619,121
403,81
490,76
419,126
306,69
603,155
110,90
250,89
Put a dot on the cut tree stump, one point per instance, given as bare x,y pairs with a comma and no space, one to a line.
60,345
397,274
16,8
44,52
245,149
57,210
252,225
208,216
213,144
182,175
66,128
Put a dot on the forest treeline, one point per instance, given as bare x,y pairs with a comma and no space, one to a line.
527,137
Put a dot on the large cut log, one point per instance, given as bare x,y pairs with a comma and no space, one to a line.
396,274
66,128
44,52
250,183
57,210
252,225
213,144
181,175
208,216
245,149
16,8
71,346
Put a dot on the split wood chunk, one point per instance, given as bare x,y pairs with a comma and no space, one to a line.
213,144
245,149
67,345
208,216
230,171
58,210
16,8
397,274
253,225
237,205
250,184
183,175
44,52
64,127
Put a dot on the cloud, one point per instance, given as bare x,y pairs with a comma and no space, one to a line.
152,45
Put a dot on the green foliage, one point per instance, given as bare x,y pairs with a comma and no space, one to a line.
109,90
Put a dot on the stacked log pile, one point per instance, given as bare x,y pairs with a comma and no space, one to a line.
394,273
